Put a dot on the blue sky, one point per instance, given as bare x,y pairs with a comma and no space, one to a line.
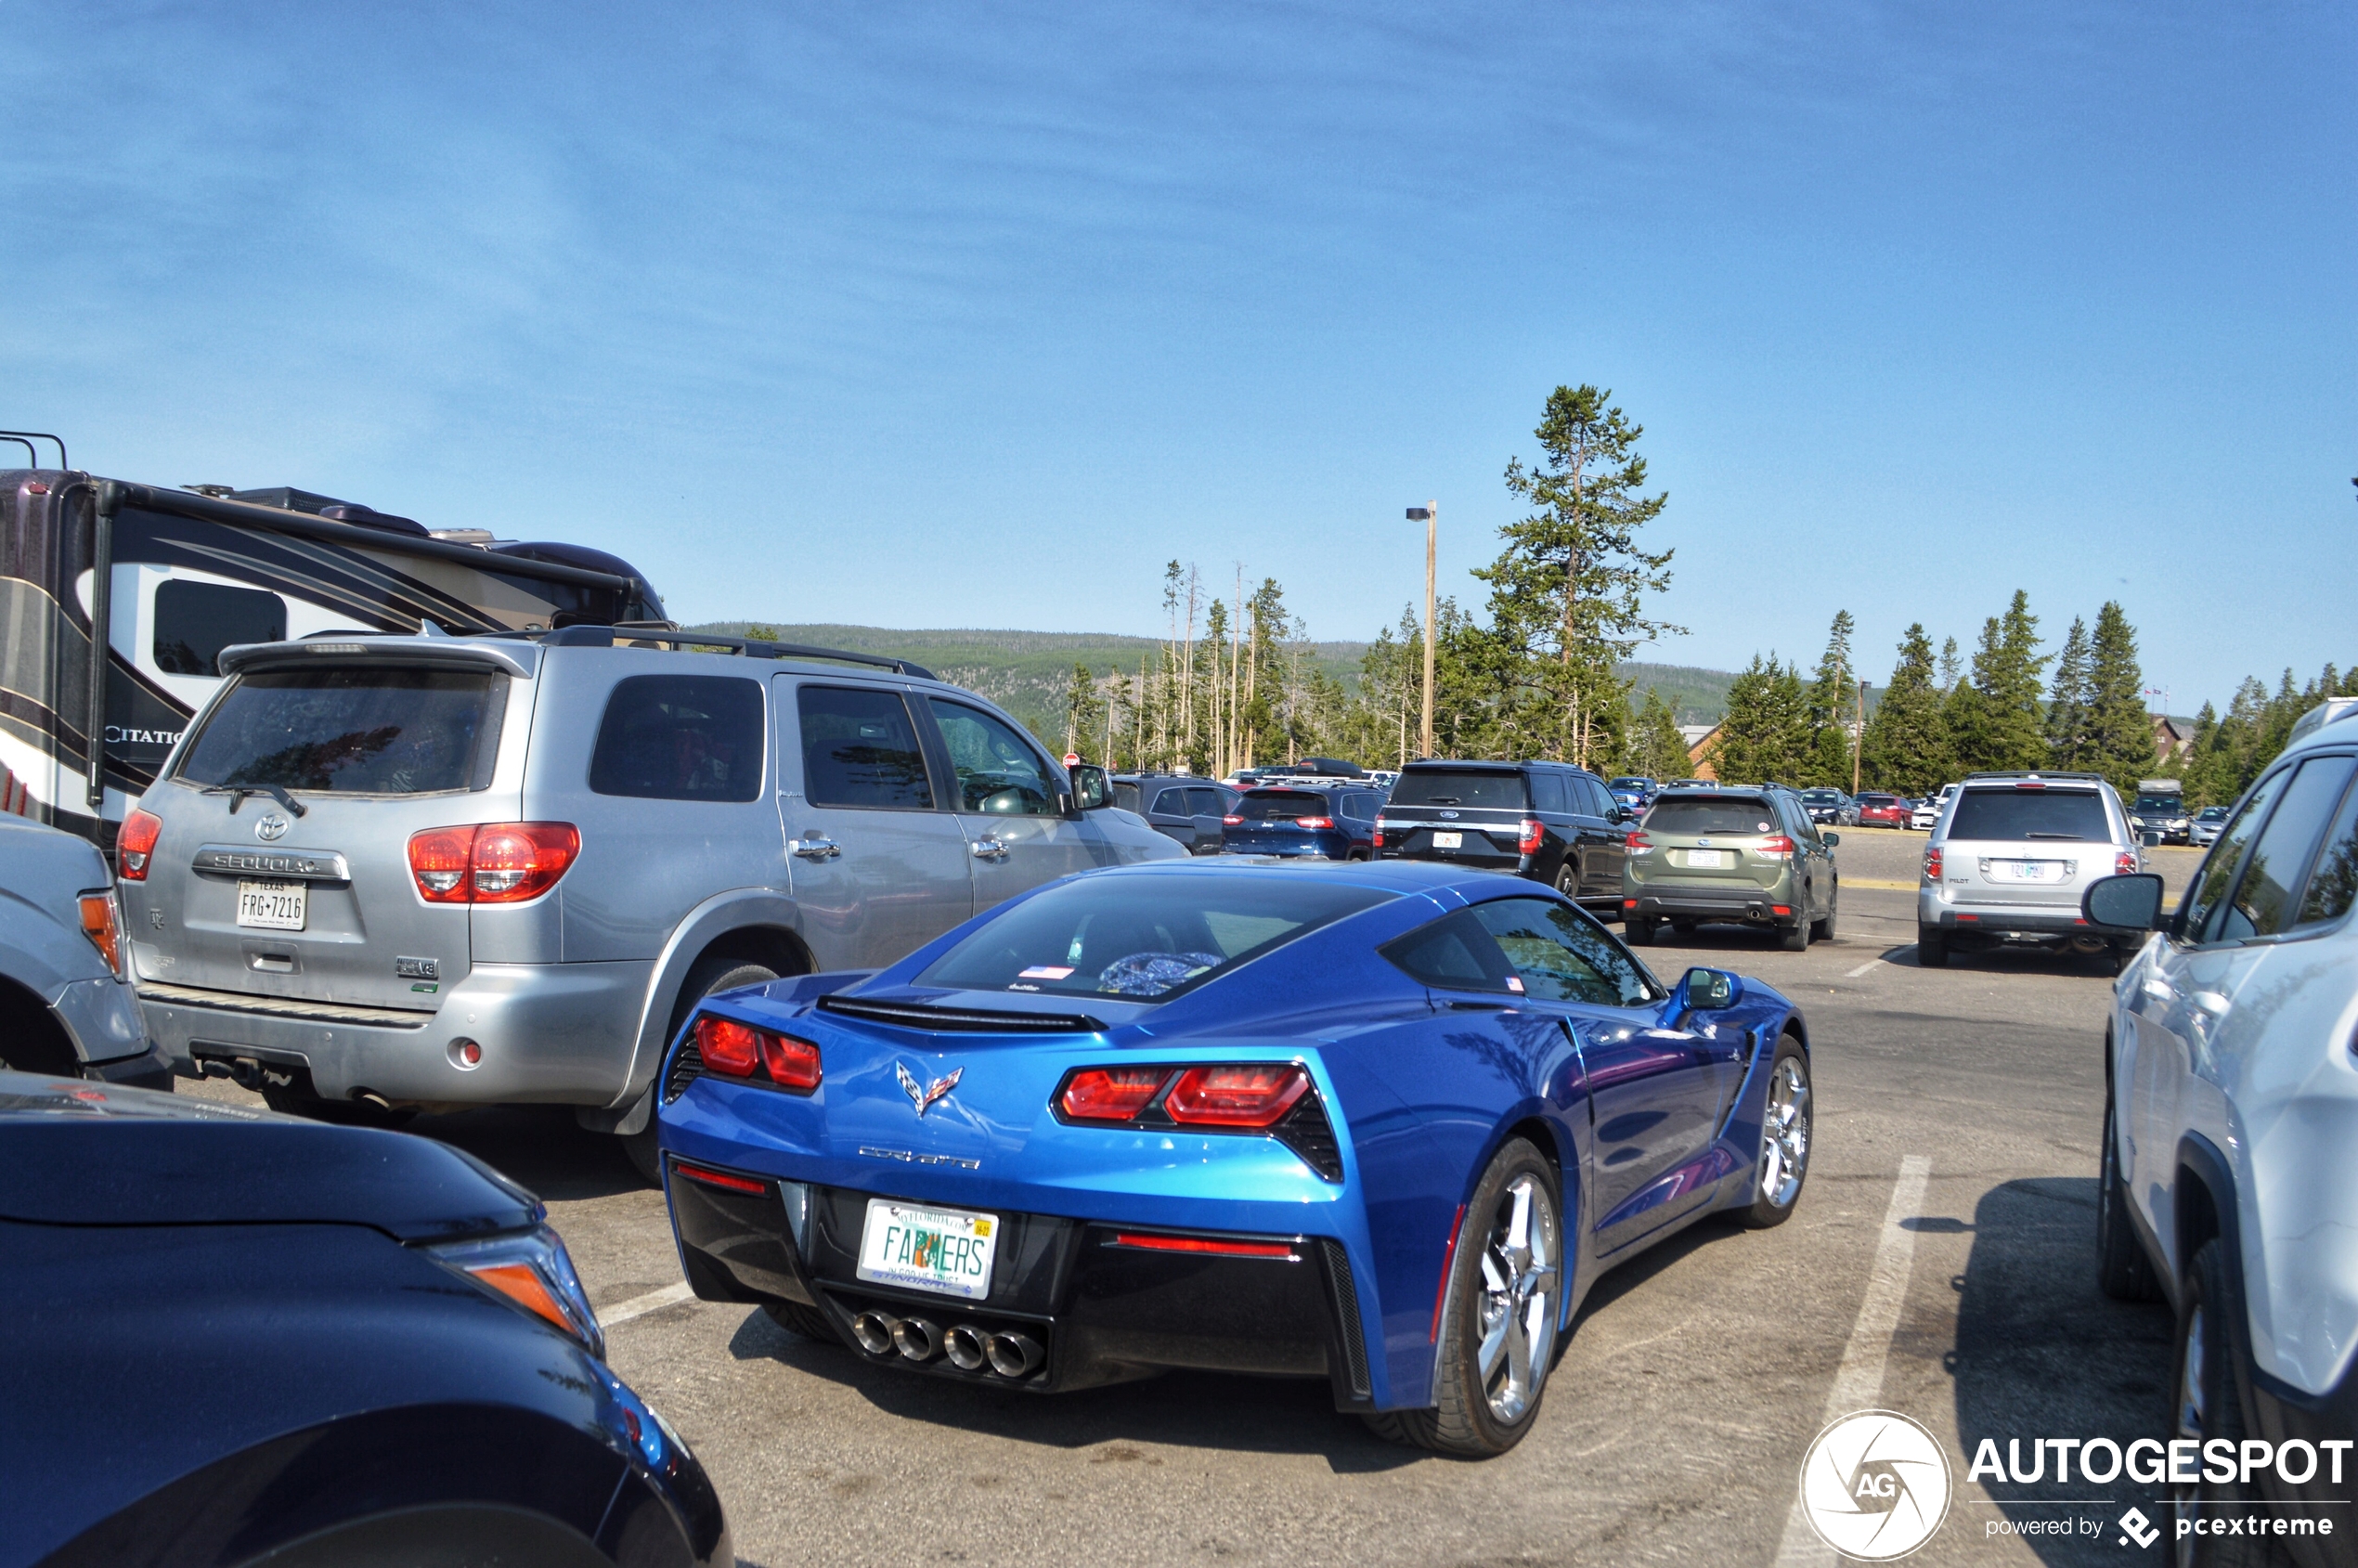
974,316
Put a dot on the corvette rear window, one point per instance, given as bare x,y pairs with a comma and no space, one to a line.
2017,815
1736,816
1141,937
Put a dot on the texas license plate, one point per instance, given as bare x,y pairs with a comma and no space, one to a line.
1706,858
1448,840
2027,871
273,906
946,1251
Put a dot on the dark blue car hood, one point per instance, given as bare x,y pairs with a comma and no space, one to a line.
77,1153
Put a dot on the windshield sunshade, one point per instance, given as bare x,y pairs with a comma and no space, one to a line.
2012,814
1141,938
355,730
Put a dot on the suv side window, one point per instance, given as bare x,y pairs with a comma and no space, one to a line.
859,748
997,771
1172,802
1560,955
1359,806
2333,886
2261,905
1205,802
1548,792
2218,870
680,737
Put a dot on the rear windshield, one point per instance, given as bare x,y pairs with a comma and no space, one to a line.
1141,937
1631,784
2015,814
2174,805
363,730
1735,815
1460,786
1879,800
1826,796
1279,805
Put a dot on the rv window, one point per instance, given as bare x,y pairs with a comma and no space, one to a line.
681,737
195,621
352,731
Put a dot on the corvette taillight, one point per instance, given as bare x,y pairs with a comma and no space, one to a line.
1244,1097
1111,1093
491,863
1532,831
730,1049
136,844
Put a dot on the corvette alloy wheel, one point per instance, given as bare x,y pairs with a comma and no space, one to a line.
1785,1119
1516,1312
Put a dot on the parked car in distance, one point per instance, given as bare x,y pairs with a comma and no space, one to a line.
1186,811
1633,792
2009,860
2160,807
1183,1194
396,1362
65,1007
2203,832
2231,1114
1830,808
1750,856
1923,813
1876,809
1545,821
551,847
1321,821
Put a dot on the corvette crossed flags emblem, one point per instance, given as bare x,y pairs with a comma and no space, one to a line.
925,1098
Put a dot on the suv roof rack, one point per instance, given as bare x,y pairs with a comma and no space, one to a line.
587,636
2033,774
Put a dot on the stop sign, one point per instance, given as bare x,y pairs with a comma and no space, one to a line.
1072,760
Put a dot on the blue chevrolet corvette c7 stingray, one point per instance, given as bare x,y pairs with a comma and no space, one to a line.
1384,1124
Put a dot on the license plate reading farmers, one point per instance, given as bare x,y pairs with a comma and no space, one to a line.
946,1251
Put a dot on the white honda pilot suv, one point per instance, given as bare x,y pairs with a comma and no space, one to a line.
2229,1184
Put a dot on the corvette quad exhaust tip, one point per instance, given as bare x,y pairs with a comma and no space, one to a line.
1014,1355
967,1347
918,1339
874,1331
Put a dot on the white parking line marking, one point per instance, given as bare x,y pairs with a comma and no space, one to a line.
639,1306
1859,1377
1862,968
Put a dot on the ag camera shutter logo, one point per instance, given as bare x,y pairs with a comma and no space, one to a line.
1875,1485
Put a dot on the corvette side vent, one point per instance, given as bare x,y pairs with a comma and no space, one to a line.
686,1067
970,1020
1355,1339
1306,1131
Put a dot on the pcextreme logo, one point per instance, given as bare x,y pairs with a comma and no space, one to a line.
1875,1485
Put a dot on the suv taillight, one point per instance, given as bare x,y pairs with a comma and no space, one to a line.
1932,865
1775,844
1533,829
1637,843
1313,822
2124,864
135,845
491,863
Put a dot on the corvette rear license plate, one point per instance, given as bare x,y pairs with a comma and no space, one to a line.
1704,857
946,1251
273,906
1448,840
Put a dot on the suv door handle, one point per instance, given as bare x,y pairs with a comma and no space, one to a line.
991,848
818,847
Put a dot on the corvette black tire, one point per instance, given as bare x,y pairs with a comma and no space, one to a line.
708,976
1932,948
2123,1272
2208,1406
807,1322
1488,1312
1786,1123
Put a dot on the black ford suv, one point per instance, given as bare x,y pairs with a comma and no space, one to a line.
1547,821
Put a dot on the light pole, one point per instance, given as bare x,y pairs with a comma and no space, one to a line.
1430,515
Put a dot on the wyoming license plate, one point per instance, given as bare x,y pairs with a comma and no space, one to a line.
1448,840
273,906
947,1250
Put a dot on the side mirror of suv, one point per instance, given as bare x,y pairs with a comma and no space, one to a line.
2150,838
2125,903
1090,788
1831,839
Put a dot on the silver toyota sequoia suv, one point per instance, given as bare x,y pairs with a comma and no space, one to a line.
2010,855
389,873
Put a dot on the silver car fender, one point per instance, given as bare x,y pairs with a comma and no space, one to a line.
740,909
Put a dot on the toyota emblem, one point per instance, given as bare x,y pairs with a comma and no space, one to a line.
271,828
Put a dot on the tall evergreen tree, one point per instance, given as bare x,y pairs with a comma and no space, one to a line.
2067,745
1084,714
1656,748
1764,736
1950,666
2001,724
1907,741
1833,699
2121,732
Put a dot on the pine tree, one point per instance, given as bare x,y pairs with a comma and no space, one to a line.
1656,748
1907,741
1084,713
1950,666
1833,699
2002,723
2121,732
2067,741
1764,736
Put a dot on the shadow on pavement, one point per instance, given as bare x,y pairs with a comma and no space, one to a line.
540,1146
1186,1409
2041,1352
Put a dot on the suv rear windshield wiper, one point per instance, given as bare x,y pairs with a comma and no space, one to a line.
238,792
2075,838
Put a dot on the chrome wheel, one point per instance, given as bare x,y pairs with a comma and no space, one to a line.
1517,1307
1784,1135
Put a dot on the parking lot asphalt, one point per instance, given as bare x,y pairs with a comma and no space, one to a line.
1674,1426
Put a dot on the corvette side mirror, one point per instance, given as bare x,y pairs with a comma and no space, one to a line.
1707,990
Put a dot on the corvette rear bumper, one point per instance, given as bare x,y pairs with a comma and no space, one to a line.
1103,1304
